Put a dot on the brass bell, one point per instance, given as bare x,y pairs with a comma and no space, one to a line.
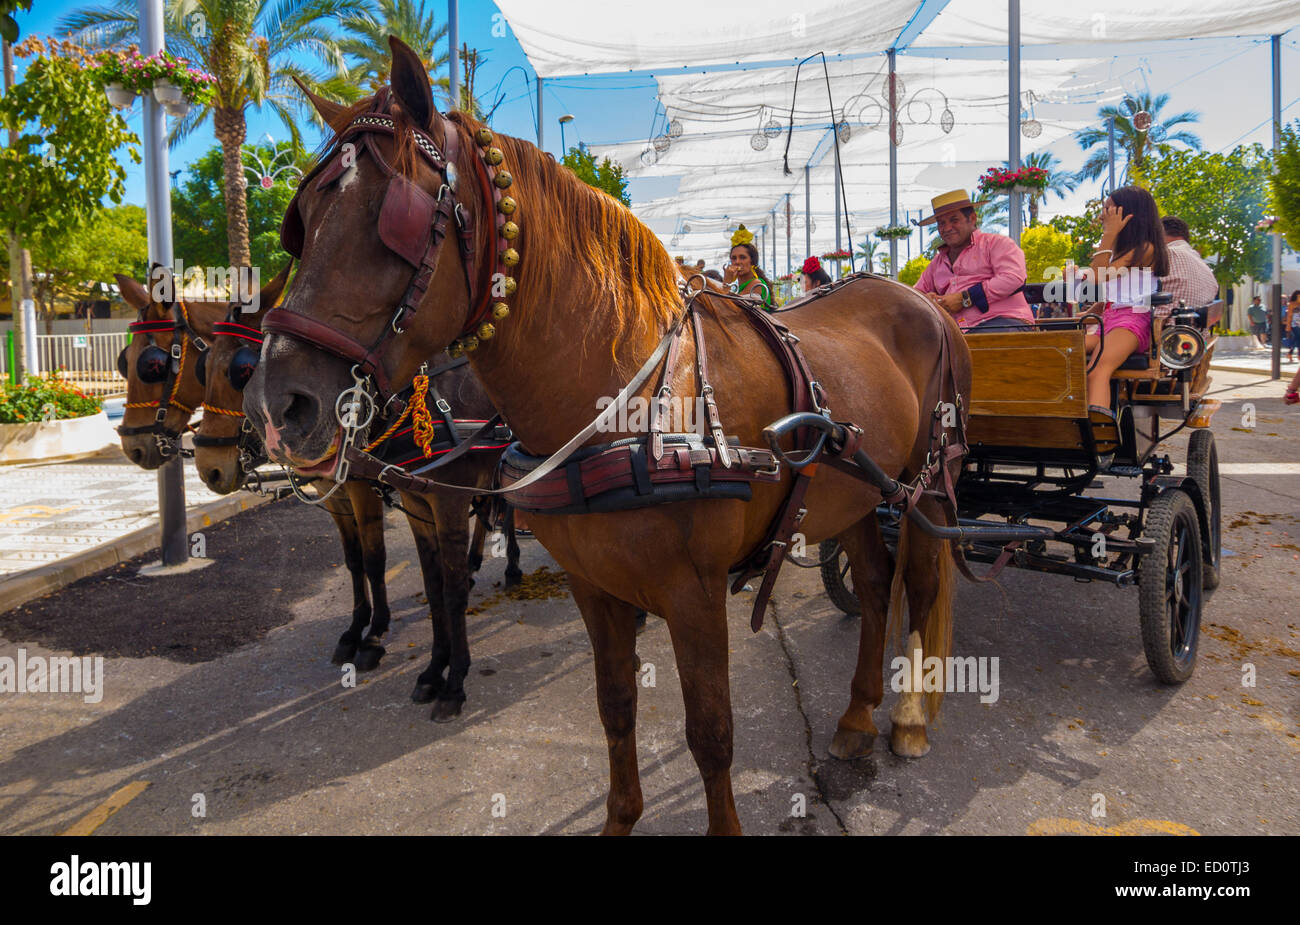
500,310
511,285
469,343
494,156
484,137
509,231
486,331
454,350
507,205
510,256
503,179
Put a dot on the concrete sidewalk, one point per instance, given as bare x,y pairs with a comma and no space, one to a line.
1251,360
64,520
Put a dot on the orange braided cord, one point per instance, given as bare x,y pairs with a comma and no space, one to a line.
141,404
215,410
420,419
388,433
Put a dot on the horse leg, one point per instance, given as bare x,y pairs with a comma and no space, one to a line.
346,649
927,569
369,510
476,544
429,682
699,635
612,630
855,734
513,575
453,541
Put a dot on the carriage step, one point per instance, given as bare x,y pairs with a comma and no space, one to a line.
1127,471
1105,431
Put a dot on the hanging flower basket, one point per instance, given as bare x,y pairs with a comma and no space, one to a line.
1000,181
171,80
840,255
119,96
1266,223
888,232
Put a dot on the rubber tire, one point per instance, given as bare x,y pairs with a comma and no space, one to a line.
1172,516
1203,468
838,583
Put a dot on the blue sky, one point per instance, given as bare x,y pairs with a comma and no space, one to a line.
1227,81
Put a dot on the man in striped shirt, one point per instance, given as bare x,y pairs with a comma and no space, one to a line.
1190,278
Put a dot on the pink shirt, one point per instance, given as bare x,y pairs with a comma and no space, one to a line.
992,268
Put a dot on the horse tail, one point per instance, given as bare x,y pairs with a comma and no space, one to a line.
937,639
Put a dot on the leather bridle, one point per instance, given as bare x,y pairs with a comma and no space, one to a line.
251,451
167,439
412,224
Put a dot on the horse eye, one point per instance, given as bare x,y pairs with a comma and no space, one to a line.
121,363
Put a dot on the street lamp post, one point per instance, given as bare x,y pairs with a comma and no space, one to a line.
564,120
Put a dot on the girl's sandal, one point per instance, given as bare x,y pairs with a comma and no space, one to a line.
1292,397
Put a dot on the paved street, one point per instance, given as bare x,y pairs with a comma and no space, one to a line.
219,691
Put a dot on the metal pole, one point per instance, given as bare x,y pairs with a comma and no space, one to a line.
540,119
174,544
762,241
807,212
1110,148
20,272
1013,134
893,166
1276,43
774,237
789,232
839,240
453,42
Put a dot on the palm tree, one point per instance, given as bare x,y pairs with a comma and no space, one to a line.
1137,146
248,46
871,250
366,44
1058,181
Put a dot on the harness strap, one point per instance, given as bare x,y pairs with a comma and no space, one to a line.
792,514
706,392
319,334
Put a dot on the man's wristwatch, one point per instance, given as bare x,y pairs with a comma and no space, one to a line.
965,299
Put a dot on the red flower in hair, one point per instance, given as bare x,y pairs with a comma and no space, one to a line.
811,265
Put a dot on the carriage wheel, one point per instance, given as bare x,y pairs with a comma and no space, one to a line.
1172,579
838,578
1203,467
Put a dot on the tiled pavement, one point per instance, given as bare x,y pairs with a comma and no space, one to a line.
1251,360
50,511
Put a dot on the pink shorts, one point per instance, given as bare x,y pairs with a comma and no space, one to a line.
1126,318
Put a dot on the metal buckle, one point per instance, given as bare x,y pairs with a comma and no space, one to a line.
460,215
176,350
199,344
442,406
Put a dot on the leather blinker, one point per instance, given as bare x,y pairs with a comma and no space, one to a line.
406,219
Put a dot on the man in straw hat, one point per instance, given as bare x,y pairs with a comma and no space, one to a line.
976,276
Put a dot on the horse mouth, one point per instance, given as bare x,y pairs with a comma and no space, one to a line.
326,464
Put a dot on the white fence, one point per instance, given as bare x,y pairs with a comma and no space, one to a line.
89,361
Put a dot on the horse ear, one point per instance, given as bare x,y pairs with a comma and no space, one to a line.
328,110
410,83
133,293
272,291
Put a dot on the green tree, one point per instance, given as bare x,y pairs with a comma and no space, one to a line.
608,177
71,264
60,165
1084,230
1221,197
913,269
1059,181
1135,146
1044,247
1284,186
871,250
199,214
253,49
9,25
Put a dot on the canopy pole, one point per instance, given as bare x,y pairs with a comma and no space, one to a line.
1276,43
773,217
1013,127
893,165
807,212
839,240
762,241
453,42
789,232
1110,152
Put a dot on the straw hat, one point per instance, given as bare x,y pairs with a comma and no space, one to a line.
947,202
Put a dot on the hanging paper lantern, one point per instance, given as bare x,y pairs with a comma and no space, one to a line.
946,120
758,141
1142,120
1031,128
843,131
772,129
898,134
662,143
675,128
686,227
649,156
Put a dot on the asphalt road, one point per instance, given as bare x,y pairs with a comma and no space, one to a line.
219,693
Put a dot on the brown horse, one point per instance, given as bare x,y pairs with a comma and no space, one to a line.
595,294
225,453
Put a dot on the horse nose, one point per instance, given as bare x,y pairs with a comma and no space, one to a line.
293,413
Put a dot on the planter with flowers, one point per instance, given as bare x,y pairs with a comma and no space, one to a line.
171,80
892,232
838,258
1266,223
48,417
1001,181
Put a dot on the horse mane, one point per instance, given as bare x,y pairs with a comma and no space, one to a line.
581,248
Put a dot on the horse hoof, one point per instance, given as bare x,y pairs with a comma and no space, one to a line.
344,653
908,741
850,743
425,693
640,622
444,711
368,657
513,579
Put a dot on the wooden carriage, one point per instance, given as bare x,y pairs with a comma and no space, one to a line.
1038,457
